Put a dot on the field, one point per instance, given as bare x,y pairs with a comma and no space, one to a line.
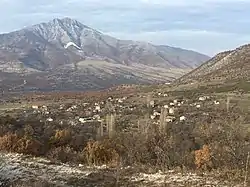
162,135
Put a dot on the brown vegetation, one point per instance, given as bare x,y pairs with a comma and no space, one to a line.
61,137
224,144
8,142
217,141
12,143
98,153
203,157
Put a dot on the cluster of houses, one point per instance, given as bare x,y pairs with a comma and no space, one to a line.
170,108
81,113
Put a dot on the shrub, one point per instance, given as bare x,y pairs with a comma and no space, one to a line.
29,145
100,152
12,143
61,137
63,154
203,158
8,142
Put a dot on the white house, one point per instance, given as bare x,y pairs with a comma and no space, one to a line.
165,106
216,102
98,108
182,118
49,120
82,120
202,98
170,118
152,103
171,111
35,107
198,106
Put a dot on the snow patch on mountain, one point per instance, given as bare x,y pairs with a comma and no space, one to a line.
72,44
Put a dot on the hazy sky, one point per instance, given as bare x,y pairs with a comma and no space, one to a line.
207,26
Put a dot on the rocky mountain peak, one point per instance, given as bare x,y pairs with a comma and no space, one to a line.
61,30
68,23
59,44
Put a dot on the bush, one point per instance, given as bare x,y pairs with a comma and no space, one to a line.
27,145
100,152
61,138
12,143
8,142
63,154
203,158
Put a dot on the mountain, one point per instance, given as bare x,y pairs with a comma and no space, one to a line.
227,66
67,48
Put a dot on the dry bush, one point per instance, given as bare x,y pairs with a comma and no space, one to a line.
28,130
170,151
228,142
29,145
203,158
231,151
131,148
63,154
8,142
61,137
154,150
78,141
100,152
13,143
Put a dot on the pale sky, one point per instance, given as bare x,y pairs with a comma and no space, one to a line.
207,26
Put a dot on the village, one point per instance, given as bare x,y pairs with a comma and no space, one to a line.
77,130
131,112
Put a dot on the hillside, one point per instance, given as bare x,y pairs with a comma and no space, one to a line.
59,46
226,66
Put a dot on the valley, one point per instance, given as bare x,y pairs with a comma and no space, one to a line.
90,75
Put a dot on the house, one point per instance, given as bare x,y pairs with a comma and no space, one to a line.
152,103
182,118
35,107
49,120
171,111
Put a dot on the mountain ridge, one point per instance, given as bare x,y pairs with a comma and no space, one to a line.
57,33
53,46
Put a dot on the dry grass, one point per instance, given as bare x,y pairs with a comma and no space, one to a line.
13,143
98,153
9,142
61,137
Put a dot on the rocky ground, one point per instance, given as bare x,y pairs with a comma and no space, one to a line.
17,167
